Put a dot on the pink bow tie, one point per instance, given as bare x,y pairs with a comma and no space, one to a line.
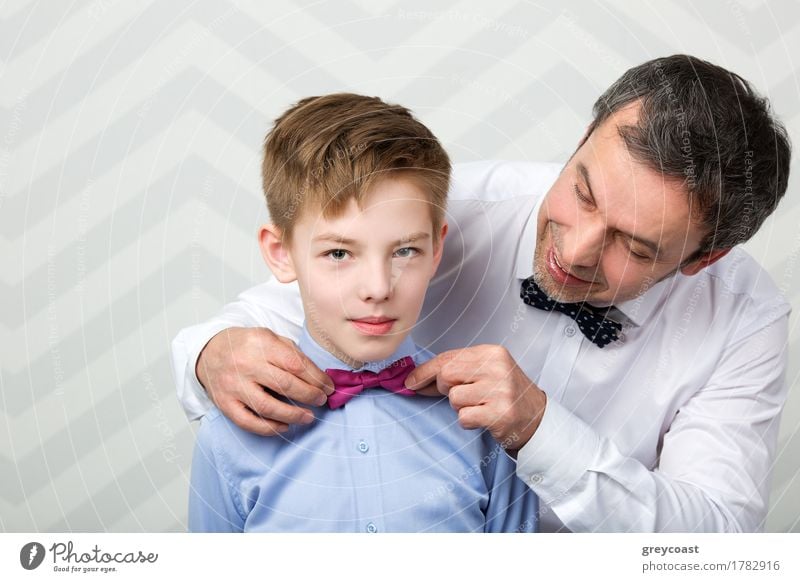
347,384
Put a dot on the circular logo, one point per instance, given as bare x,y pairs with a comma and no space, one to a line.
31,555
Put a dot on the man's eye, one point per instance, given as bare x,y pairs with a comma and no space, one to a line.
337,254
406,252
640,256
580,195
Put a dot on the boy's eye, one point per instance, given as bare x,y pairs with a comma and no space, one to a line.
406,252
337,254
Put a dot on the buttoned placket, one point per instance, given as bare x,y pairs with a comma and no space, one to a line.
364,461
565,344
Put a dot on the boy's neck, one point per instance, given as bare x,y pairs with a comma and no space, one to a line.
324,341
322,345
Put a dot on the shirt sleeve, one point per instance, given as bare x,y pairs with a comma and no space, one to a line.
512,507
273,305
213,504
715,461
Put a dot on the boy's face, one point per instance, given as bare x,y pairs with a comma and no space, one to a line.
362,275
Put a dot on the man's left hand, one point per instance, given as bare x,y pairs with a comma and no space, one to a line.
488,390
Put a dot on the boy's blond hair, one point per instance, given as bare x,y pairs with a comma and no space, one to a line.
326,150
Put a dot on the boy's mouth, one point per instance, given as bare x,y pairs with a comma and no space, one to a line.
373,325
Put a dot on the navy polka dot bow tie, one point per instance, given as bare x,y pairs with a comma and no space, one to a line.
591,321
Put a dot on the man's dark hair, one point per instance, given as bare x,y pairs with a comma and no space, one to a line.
707,127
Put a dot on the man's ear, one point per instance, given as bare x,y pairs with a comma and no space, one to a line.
276,253
438,247
705,260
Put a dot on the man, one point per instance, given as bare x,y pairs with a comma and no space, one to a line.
632,358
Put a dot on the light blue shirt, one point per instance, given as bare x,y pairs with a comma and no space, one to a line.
381,463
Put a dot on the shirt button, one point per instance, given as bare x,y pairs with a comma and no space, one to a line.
569,331
535,479
371,528
363,446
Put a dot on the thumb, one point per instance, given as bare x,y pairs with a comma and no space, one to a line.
424,376
429,390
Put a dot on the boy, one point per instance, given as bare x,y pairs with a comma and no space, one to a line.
356,191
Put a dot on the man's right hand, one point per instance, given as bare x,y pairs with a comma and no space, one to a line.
240,367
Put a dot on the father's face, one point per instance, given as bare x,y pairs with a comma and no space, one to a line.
611,227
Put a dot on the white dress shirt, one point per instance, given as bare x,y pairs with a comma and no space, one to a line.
671,428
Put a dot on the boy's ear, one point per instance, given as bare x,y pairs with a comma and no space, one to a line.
438,248
276,253
704,261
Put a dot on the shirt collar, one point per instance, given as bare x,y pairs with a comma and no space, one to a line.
323,359
640,308
527,242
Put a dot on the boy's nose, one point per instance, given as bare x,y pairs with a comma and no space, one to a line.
375,283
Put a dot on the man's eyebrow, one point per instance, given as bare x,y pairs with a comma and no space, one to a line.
584,172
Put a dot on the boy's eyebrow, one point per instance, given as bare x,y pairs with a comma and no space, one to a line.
333,237
584,172
343,240
413,237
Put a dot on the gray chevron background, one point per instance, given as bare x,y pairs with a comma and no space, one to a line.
129,191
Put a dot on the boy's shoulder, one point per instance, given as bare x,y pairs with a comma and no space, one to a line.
213,420
220,435
422,355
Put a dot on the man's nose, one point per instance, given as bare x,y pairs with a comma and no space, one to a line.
583,246
375,281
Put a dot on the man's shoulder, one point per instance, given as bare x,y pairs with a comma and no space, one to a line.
741,292
739,274
501,180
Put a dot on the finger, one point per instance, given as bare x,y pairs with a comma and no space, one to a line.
466,368
471,417
290,358
467,395
285,340
426,374
245,419
291,386
449,369
429,390
268,407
